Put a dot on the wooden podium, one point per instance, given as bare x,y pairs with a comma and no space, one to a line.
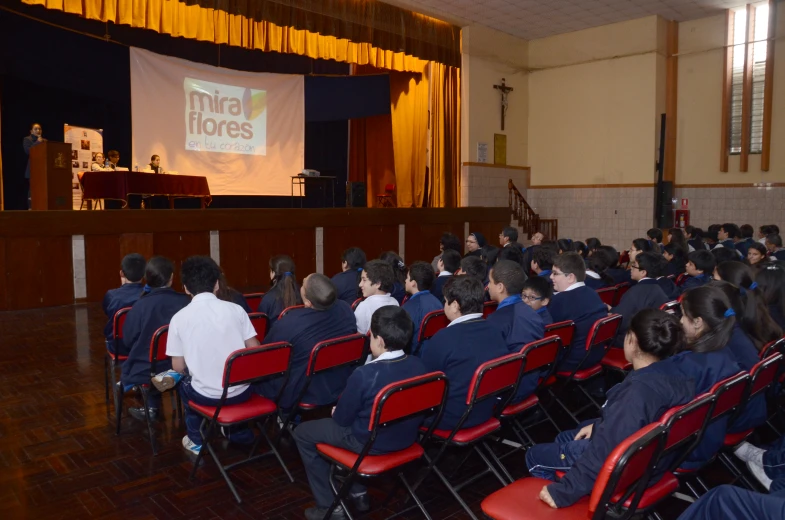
50,176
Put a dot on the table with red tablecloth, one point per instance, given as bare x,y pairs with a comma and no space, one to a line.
118,185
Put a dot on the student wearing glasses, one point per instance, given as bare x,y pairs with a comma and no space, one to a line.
537,294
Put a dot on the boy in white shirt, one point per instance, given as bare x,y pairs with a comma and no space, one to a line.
376,283
201,337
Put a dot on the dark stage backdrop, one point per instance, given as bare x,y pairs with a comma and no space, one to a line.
55,76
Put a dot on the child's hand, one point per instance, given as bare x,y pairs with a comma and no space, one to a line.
609,307
585,432
546,497
332,412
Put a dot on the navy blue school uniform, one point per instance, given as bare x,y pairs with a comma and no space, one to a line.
545,315
417,307
272,302
438,286
114,300
356,403
777,315
743,351
398,292
237,298
639,400
347,284
545,273
619,275
674,267
148,314
584,307
304,328
729,243
695,281
669,287
729,501
646,294
595,283
779,254
519,325
743,246
457,351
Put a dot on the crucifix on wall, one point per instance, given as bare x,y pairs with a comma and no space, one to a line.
505,90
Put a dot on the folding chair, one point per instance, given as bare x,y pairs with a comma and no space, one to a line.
289,309
673,307
489,308
773,347
396,402
261,324
245,367
385,200
621,290
607,295
325,356
564,330
495,379
622,481
253,300
432,323
681,279
357,302
776,388
112,360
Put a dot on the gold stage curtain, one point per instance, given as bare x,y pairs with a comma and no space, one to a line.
371,154
409,110
359,32
444,169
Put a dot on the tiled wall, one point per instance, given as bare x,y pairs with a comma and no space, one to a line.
487,185
614,215
755,206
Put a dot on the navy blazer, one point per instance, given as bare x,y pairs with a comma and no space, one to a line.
547,319
646,294
595,283
149,313
743,351
584,307
457,351
779,255
695,281
438,286
272,302
417,307
304,328
114,300
669,287
398,292
743,246
347,284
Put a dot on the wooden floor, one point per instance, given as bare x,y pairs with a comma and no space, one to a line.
60,458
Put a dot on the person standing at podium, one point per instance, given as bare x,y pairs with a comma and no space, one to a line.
35,138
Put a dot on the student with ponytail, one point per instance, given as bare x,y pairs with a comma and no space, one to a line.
284,291
400,270
347,282
771,281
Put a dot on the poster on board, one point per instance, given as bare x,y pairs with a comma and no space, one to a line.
85,143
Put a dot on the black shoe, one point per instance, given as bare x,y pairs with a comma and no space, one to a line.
138,414
361,502
317,513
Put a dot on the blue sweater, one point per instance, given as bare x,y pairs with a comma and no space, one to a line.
438,286
398,292
347,284
149,313
519,325
671,290
114,300
646,294
619,275
272,302
639,400
356,403
457,351
584,307
547,319
595,283
304,328
743,246
743,351
417,307
695,281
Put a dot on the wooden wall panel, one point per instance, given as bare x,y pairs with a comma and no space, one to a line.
422,240
39,272
179,246
55,263
141,243
374,240
3,276
102,264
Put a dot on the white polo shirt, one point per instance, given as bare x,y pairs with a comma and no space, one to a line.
368,306
205,332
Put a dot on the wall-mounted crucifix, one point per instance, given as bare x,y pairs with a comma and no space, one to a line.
505,90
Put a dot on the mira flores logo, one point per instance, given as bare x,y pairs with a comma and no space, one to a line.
224,118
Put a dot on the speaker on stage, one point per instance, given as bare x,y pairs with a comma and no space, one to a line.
355,195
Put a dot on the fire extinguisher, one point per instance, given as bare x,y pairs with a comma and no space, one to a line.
681,220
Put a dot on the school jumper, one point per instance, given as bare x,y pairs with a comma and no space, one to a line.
695,281
438,285
669,287
743,246
595,283
417,306
347,284
545,315
619,275
114,300
398,292
646,294
583,306
272,301
675,267
743,351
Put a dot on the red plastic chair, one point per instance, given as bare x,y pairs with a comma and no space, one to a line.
673,307
432,323
245,367
621,290
624,475
325,356
261,324
397,402
489,308
357,302
769,349
607,295
773,347
564,330
763,375
289,309
112,361
385,200
253,300
681,279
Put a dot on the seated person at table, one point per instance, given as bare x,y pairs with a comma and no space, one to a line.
578,303
537,293
645,394
518,323
284,291
449,263
347,282
376,282
700,268
421,302
391,332
399,270
645,294
98,163
542,262
458,349
152,311
155,164
201,336
131,287
668,286
324,317
113,157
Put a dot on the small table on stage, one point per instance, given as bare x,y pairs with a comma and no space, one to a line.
301,182
118,185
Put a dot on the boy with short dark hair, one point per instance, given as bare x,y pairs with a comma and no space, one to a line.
376,283
419,279
743,245
700,268
508,236
131,274
668,286
537,294
655,235
645,294
348,280
391,331
449,263
542,262
728,235
774,245
474,266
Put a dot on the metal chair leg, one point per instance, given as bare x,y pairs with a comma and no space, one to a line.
149,422
106,377
501,466
340,494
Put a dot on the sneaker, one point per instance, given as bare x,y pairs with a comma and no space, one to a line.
191,446
317,513
138,414
749,453
759,473
166,380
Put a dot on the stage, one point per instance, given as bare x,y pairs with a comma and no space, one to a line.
52,258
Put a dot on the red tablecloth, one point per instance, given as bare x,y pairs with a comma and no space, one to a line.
118,185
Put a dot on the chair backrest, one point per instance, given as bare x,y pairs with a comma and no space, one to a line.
673,307
685,424
408,398
158,347
764,373
249,365
357,302
289,309
627,470
118,320
495,377
729,395
564,330
681,279
603,332
541,353
621,290
772,347
253,299
624,257
389,187
261,324
337,352
489,308
432,323
607,295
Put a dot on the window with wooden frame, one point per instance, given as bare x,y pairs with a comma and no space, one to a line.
748,88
